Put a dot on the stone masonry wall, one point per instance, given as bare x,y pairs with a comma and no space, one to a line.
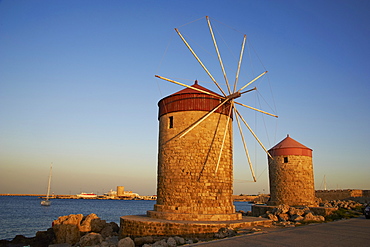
338,194
291,183
189,188
135,226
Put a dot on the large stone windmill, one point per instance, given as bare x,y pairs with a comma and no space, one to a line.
195,156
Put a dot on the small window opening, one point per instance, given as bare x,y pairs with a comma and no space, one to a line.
170,123
285,159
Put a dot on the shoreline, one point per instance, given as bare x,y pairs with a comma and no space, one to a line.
238,198
43,196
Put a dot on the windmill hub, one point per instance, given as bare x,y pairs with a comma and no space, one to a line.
234,96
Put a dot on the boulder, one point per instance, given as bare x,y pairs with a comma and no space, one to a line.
112,239
45,238
293,211
85,225
272,217
72,219
189,241
139,241
281,209
171,242
91,239
20,240
126,242
310,217
66,233
97,224
225,232
296,218
110,242
179,240
107,231
306,210
114,226
66,229
160,243
283,217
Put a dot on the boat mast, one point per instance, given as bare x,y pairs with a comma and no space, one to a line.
48,193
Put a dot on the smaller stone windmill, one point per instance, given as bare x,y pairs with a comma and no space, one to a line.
291,174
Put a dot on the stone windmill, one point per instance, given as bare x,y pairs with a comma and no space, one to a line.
291,174
195,157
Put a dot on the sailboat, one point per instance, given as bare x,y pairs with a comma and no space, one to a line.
47,202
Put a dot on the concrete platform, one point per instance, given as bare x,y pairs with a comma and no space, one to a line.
142,225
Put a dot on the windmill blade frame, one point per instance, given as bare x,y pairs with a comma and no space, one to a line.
230,97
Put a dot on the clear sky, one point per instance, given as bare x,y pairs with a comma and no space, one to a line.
77,87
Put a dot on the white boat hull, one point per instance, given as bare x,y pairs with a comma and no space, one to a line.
45,203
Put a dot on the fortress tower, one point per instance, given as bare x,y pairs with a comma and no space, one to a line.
192,184
291,174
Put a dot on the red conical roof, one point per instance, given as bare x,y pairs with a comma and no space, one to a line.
189,99
289,146
190,90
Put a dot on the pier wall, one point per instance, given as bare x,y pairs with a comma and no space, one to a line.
341,194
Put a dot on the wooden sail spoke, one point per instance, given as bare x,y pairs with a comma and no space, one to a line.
181,84
255,79
245,146
255,136
203,118
199,61
250,90
240,62
250,107
223,139
230,97
218,54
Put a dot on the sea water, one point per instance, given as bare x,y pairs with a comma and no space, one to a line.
23,215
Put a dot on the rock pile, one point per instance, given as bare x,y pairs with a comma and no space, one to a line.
85,231
161,241
82,231
286,215
340,204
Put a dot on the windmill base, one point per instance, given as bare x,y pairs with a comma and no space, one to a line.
142,225
193,217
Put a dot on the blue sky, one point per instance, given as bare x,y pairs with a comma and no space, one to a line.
77,87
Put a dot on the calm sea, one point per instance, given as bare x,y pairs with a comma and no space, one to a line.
23,215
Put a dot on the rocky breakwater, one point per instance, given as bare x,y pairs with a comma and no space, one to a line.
84,231
288,216
291,216
81,231
72,230
347,204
